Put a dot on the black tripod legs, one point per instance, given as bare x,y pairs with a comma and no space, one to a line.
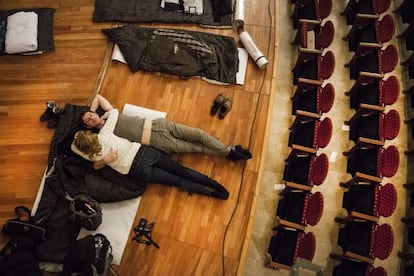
143,233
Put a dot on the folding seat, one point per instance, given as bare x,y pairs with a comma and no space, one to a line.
409,120
407,251
369,202
366,7
367,30
409,154
311,9
409,104
309,134
408,36
406,11
408,66
303,171
312,67
357,268
409,183
409,270
322,36
372,61
374,91
365,241
309,98
287,245
410,146
371,163
370,123
296,209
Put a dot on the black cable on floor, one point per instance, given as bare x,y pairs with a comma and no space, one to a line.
250,136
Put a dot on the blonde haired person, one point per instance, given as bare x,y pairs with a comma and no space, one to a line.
162,134
142,162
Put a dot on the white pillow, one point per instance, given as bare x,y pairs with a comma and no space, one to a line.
21,32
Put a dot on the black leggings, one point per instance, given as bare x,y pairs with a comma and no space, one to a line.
153,165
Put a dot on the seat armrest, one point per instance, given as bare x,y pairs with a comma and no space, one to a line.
303,148
308,114
310,51
298,186
370,45
363,140
368,177
363,110
366,16
359,257
363,216
370,74
309,81
310,21
371,107
291,224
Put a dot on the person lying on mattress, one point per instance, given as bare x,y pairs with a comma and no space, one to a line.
142,162
162,134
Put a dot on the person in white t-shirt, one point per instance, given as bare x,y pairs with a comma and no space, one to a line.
143,162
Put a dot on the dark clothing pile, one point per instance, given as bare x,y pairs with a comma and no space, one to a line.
72,175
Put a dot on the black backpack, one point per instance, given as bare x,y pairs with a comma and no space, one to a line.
86,211
18,257
103,254
91,255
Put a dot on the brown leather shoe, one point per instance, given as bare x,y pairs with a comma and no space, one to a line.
225,108
217,103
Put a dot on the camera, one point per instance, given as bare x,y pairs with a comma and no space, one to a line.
143,233
141,225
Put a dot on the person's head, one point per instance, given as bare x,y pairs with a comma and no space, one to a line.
91,119
88,143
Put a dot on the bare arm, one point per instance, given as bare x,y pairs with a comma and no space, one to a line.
100,101
110,157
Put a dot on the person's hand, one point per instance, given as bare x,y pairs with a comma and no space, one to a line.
111,156
76,135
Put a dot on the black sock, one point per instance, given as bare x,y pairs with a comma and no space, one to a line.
236,155
240,149
221,194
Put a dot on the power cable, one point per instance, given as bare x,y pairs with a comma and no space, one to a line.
250,136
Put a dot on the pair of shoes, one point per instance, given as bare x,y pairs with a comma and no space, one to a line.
54,120
221,104
47,114
51,114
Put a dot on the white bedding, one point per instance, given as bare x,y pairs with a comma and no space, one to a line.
21,32
118,217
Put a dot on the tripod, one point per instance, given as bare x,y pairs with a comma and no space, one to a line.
143,233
